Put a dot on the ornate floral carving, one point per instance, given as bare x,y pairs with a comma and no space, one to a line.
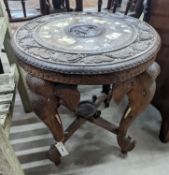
145,41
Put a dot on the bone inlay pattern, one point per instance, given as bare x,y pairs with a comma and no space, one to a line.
107,41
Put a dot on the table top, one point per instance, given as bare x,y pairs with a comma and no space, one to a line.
85,43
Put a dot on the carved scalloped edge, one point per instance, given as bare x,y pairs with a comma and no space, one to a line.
59,68
110,78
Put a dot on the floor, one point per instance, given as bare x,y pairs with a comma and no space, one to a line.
93,151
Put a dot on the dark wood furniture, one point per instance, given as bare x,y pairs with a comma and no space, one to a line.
58,6
62,51
111,4
133,7
159,18
44,7
24,10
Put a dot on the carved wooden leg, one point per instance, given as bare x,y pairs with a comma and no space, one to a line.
164,131
109,4
79,5
45,99
44,104
161,101
140,92
106,89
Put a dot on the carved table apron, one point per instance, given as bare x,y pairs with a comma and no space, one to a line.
62,51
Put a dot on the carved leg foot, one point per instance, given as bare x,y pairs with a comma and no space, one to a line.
45,99
140,92
125,142
54,155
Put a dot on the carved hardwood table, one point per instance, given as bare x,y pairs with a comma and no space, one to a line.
62,51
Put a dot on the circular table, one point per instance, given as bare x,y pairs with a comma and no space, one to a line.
62,51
